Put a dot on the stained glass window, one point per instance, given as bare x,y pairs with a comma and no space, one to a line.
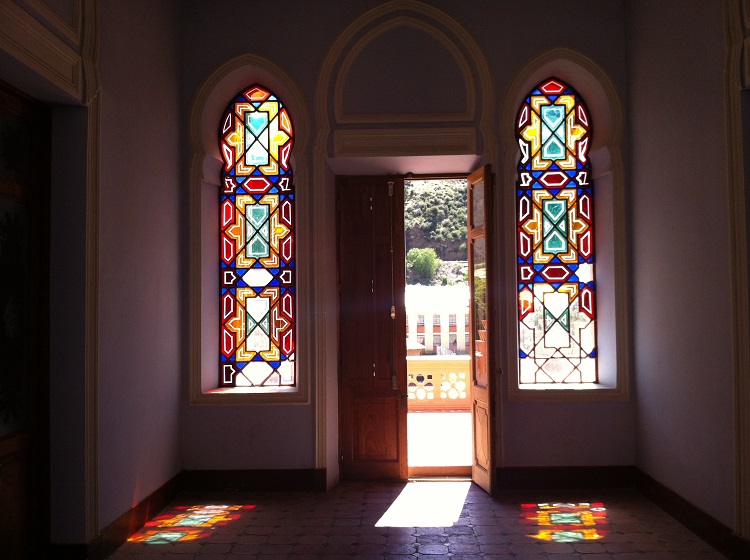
257,243
555,239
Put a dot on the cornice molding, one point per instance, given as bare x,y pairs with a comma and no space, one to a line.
31,43
70,30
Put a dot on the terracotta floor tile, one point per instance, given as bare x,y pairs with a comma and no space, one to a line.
343,524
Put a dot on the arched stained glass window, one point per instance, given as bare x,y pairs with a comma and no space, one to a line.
555,207
257,243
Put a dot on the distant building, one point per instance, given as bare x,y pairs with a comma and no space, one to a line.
437,317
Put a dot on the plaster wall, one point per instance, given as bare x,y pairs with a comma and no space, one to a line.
140,254
681,258
215,33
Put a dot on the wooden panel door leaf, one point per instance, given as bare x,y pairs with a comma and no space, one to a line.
482,398
24,331
372,329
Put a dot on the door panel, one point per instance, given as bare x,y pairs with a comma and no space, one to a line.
372,390
480,284
24,331
376,429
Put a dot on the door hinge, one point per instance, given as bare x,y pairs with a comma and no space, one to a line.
393,311
390,188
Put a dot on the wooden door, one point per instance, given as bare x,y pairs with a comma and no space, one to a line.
481,328
24,332
372,329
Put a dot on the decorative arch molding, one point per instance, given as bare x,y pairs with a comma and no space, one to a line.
607,116
214,93
590,81
371,138
369,38
204,117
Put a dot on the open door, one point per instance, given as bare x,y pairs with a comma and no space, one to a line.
372,328
482,400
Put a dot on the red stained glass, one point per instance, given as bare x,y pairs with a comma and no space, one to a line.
555,239
257,244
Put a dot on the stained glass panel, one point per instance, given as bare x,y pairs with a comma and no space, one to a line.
257,243
555,238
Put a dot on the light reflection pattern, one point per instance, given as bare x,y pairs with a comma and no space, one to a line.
187,523
566,522
257,243
555,237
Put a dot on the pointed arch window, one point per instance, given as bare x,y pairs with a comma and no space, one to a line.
257,243
555,239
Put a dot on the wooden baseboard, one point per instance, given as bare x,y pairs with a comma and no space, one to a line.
68,551
530,479
253,480
117,532
715,533
508,479
564,478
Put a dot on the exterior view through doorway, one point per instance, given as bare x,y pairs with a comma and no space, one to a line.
413,324
437,327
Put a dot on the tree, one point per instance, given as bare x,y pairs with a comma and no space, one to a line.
435,216
422,263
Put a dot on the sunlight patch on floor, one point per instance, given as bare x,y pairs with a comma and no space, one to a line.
427,504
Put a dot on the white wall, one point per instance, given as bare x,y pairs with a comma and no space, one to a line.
600,433
141,254
681,259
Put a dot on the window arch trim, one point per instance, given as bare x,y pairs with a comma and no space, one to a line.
606,112
208,105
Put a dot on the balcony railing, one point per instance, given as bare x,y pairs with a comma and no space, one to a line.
438,383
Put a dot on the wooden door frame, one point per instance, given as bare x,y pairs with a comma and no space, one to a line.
401,324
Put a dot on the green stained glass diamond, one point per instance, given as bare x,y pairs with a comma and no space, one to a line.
555,242
553,115
258,215
554,209
257,122
553,149
258,247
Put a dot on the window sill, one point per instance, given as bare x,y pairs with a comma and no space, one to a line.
233,396
558,392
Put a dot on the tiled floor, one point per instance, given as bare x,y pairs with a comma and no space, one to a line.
434,520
